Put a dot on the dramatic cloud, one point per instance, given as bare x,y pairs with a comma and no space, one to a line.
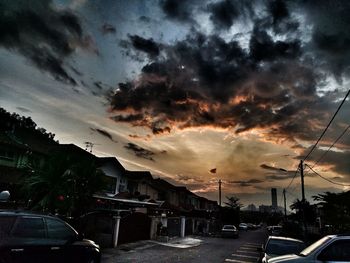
177,10
104,133
42,34
139,151
223,13
205,80
145,45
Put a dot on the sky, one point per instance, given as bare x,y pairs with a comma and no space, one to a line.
181,87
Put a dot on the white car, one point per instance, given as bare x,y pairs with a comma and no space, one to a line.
277,246
333,248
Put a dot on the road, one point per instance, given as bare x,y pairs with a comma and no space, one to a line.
211,249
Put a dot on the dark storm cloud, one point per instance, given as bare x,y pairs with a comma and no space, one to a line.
330,34
42,34
205,80
198,80
223,14
177,10
103,133
148,46
262,47
139,151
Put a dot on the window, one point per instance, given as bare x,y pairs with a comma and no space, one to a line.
59,230
337,251
282,247
6,223
29,227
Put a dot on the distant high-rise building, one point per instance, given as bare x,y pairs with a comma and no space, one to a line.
274,197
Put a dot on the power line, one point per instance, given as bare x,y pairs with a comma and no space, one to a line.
328,180
291,181
323,133
330,147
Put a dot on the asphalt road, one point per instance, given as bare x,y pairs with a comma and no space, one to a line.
211,249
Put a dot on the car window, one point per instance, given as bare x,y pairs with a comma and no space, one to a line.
282,247
6,223
229,227
59,230
29,227
337,251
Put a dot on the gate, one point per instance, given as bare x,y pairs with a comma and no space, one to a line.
174,226
134,227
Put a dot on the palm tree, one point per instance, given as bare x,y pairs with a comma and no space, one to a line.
335,208
65,184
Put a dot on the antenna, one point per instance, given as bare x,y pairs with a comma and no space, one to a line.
90,145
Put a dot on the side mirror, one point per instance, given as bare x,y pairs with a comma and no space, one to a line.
260,249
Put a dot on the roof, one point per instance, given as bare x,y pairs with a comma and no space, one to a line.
138,175
74,149
163,184
103,160
285,238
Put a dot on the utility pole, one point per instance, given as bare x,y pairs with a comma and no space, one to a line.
220,192
302,180
285,206
301,166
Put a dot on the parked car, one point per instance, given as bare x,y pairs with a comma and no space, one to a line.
29,237
243,226
229,231
276,246
332,248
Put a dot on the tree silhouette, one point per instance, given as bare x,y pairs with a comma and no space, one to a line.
65,184
233,202
335,208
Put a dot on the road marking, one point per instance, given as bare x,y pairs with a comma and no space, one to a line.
247,245
244,256
248,248
249,252
236,261
254,244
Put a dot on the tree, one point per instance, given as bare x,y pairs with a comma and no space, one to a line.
65,184
233,202
303,209
335,208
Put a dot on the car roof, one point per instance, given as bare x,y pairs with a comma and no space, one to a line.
285,239
24,213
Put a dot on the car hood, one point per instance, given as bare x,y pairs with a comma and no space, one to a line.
284,258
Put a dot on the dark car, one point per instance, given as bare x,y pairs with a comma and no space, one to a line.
29,237
277,246
229,231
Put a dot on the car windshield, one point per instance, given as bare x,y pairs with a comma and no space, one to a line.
282,247
307,251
